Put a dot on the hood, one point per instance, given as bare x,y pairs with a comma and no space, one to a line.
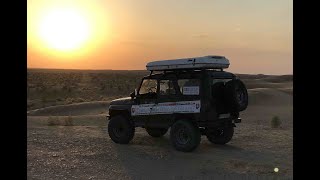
122,101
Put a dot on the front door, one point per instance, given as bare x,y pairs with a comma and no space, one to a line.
146,100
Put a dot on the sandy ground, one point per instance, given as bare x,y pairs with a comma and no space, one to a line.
85,151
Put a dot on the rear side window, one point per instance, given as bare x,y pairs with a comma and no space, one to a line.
167,87
189,86
214,81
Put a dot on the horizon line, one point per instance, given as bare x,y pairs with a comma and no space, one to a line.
139,70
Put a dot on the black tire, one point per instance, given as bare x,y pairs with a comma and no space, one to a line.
236,95
220,136
156,132
120,130
185,136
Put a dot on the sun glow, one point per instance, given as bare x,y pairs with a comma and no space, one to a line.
67,31
64,29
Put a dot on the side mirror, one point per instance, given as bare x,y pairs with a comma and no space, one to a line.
133,94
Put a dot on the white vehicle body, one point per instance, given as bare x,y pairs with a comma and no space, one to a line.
166,108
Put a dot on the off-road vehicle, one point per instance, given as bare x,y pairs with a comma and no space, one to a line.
191,97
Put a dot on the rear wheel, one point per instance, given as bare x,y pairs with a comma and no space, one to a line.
185,136
220,135
120,130
156,132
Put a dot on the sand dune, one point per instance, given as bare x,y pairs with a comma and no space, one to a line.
258,83
269,97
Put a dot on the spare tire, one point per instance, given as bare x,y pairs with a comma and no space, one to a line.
236,95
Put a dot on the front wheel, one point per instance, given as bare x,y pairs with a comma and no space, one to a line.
220,135
185,136
120,130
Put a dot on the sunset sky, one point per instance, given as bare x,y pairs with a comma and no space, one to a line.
255,35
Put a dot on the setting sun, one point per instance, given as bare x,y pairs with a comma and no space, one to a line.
64,29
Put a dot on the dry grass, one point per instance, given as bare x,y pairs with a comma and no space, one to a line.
58,121
53,121
57,87
68,121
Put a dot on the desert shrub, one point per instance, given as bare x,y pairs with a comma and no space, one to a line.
102,86
44,99
68,121
275,122
59,99
69,101
69,89
43,88
53,121
80,100
104,98
30,104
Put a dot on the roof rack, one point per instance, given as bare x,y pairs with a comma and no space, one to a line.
196,63
182,70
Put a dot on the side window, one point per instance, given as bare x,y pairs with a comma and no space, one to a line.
167,87
220,80
148,86
217,87
189,86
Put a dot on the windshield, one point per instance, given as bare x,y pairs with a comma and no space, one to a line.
148,86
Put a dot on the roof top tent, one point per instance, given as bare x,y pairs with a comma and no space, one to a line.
195,63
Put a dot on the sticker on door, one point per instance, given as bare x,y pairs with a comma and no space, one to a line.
166,108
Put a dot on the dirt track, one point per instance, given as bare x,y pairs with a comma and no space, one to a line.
84,150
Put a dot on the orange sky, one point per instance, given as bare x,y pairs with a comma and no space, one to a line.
255,35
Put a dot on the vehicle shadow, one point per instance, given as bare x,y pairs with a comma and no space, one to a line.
154,158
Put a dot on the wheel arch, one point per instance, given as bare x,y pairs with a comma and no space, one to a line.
121,112
189,117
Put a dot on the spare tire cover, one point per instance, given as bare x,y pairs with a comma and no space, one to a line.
236,95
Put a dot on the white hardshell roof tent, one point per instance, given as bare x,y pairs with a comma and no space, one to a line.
205,62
